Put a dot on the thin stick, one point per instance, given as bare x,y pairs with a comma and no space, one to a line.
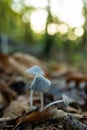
52,103
31,98
42,100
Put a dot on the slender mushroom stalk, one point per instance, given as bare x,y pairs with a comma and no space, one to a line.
31,99
65,99
40,83
42,100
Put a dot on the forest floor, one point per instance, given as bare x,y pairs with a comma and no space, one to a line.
15,110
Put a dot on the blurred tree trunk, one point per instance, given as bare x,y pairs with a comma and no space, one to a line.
83,43
49,39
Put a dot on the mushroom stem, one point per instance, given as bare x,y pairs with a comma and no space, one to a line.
31,98
42,100
52,103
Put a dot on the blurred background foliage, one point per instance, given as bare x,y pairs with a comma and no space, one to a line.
35,27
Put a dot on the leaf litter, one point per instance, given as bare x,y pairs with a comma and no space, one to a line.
15,110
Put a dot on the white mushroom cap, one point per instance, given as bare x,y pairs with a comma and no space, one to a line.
66,99
40,83
35,70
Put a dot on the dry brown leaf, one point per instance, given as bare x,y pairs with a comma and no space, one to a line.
16,107
26,59
36,116
78,77
20,68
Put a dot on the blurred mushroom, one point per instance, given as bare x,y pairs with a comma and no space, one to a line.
65,99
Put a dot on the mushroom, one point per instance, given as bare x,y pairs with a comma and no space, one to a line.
35,70
40,83
65,99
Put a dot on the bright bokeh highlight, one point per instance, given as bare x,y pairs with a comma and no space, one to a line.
79,31
68,11
63,28
36,3
26,17
52,28
38,20
16,6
